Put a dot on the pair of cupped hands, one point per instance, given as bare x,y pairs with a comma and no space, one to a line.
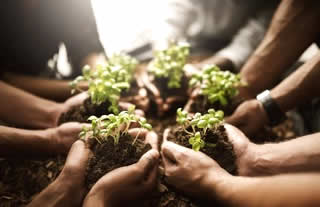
185,169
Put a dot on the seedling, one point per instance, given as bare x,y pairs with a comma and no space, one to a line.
113,126
216,85
199,125
169,63
106,82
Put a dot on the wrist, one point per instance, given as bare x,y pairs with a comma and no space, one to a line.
261,163
271,108
220,186
97,198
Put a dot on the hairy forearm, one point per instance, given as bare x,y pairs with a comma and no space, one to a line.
297,155
294,190
26,110
58,90
299,87
18,142
292,30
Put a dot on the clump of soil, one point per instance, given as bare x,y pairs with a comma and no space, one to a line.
201,104
223,153
108,156
82,112
166,92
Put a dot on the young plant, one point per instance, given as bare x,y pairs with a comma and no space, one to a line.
216,85
199,125
112,126
169,63
106,82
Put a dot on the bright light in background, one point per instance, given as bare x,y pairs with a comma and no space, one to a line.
123,24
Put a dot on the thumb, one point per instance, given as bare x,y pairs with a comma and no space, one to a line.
149,160
234,119
78,157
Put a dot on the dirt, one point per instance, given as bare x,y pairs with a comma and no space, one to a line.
81,113
201,104
223,153
22,179
108,156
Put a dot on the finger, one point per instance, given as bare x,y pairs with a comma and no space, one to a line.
187,107
152,139
237,138
234,119
125,105
195,93
148,161
140,132
165,107
142,92
139,113
78,156
174,99
169,152
166,134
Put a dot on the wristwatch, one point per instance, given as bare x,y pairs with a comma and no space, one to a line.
275,115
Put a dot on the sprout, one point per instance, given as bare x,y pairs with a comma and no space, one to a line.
113,126
199,124
169,63
217,85
106,82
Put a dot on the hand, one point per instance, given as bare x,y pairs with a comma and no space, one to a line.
245,151
249,117
189,171
62,191
63,136
126,185
221,62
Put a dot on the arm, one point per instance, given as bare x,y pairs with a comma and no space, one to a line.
296,155
58,90
203,178
19,142
298,88
294,190
292,30
24,109
247,39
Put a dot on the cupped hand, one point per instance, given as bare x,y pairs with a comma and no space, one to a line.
69,188
63,136
249,117
126,185
245,150
191,172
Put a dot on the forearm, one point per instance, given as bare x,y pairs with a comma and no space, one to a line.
294,190
297,155
18,142
292,30
248,38
299,87
57,90
24,109
59,193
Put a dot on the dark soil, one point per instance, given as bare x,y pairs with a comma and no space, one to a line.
108,156
22,179
162,85
223,153
81,113
201,104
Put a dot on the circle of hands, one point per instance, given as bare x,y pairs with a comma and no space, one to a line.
183,168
